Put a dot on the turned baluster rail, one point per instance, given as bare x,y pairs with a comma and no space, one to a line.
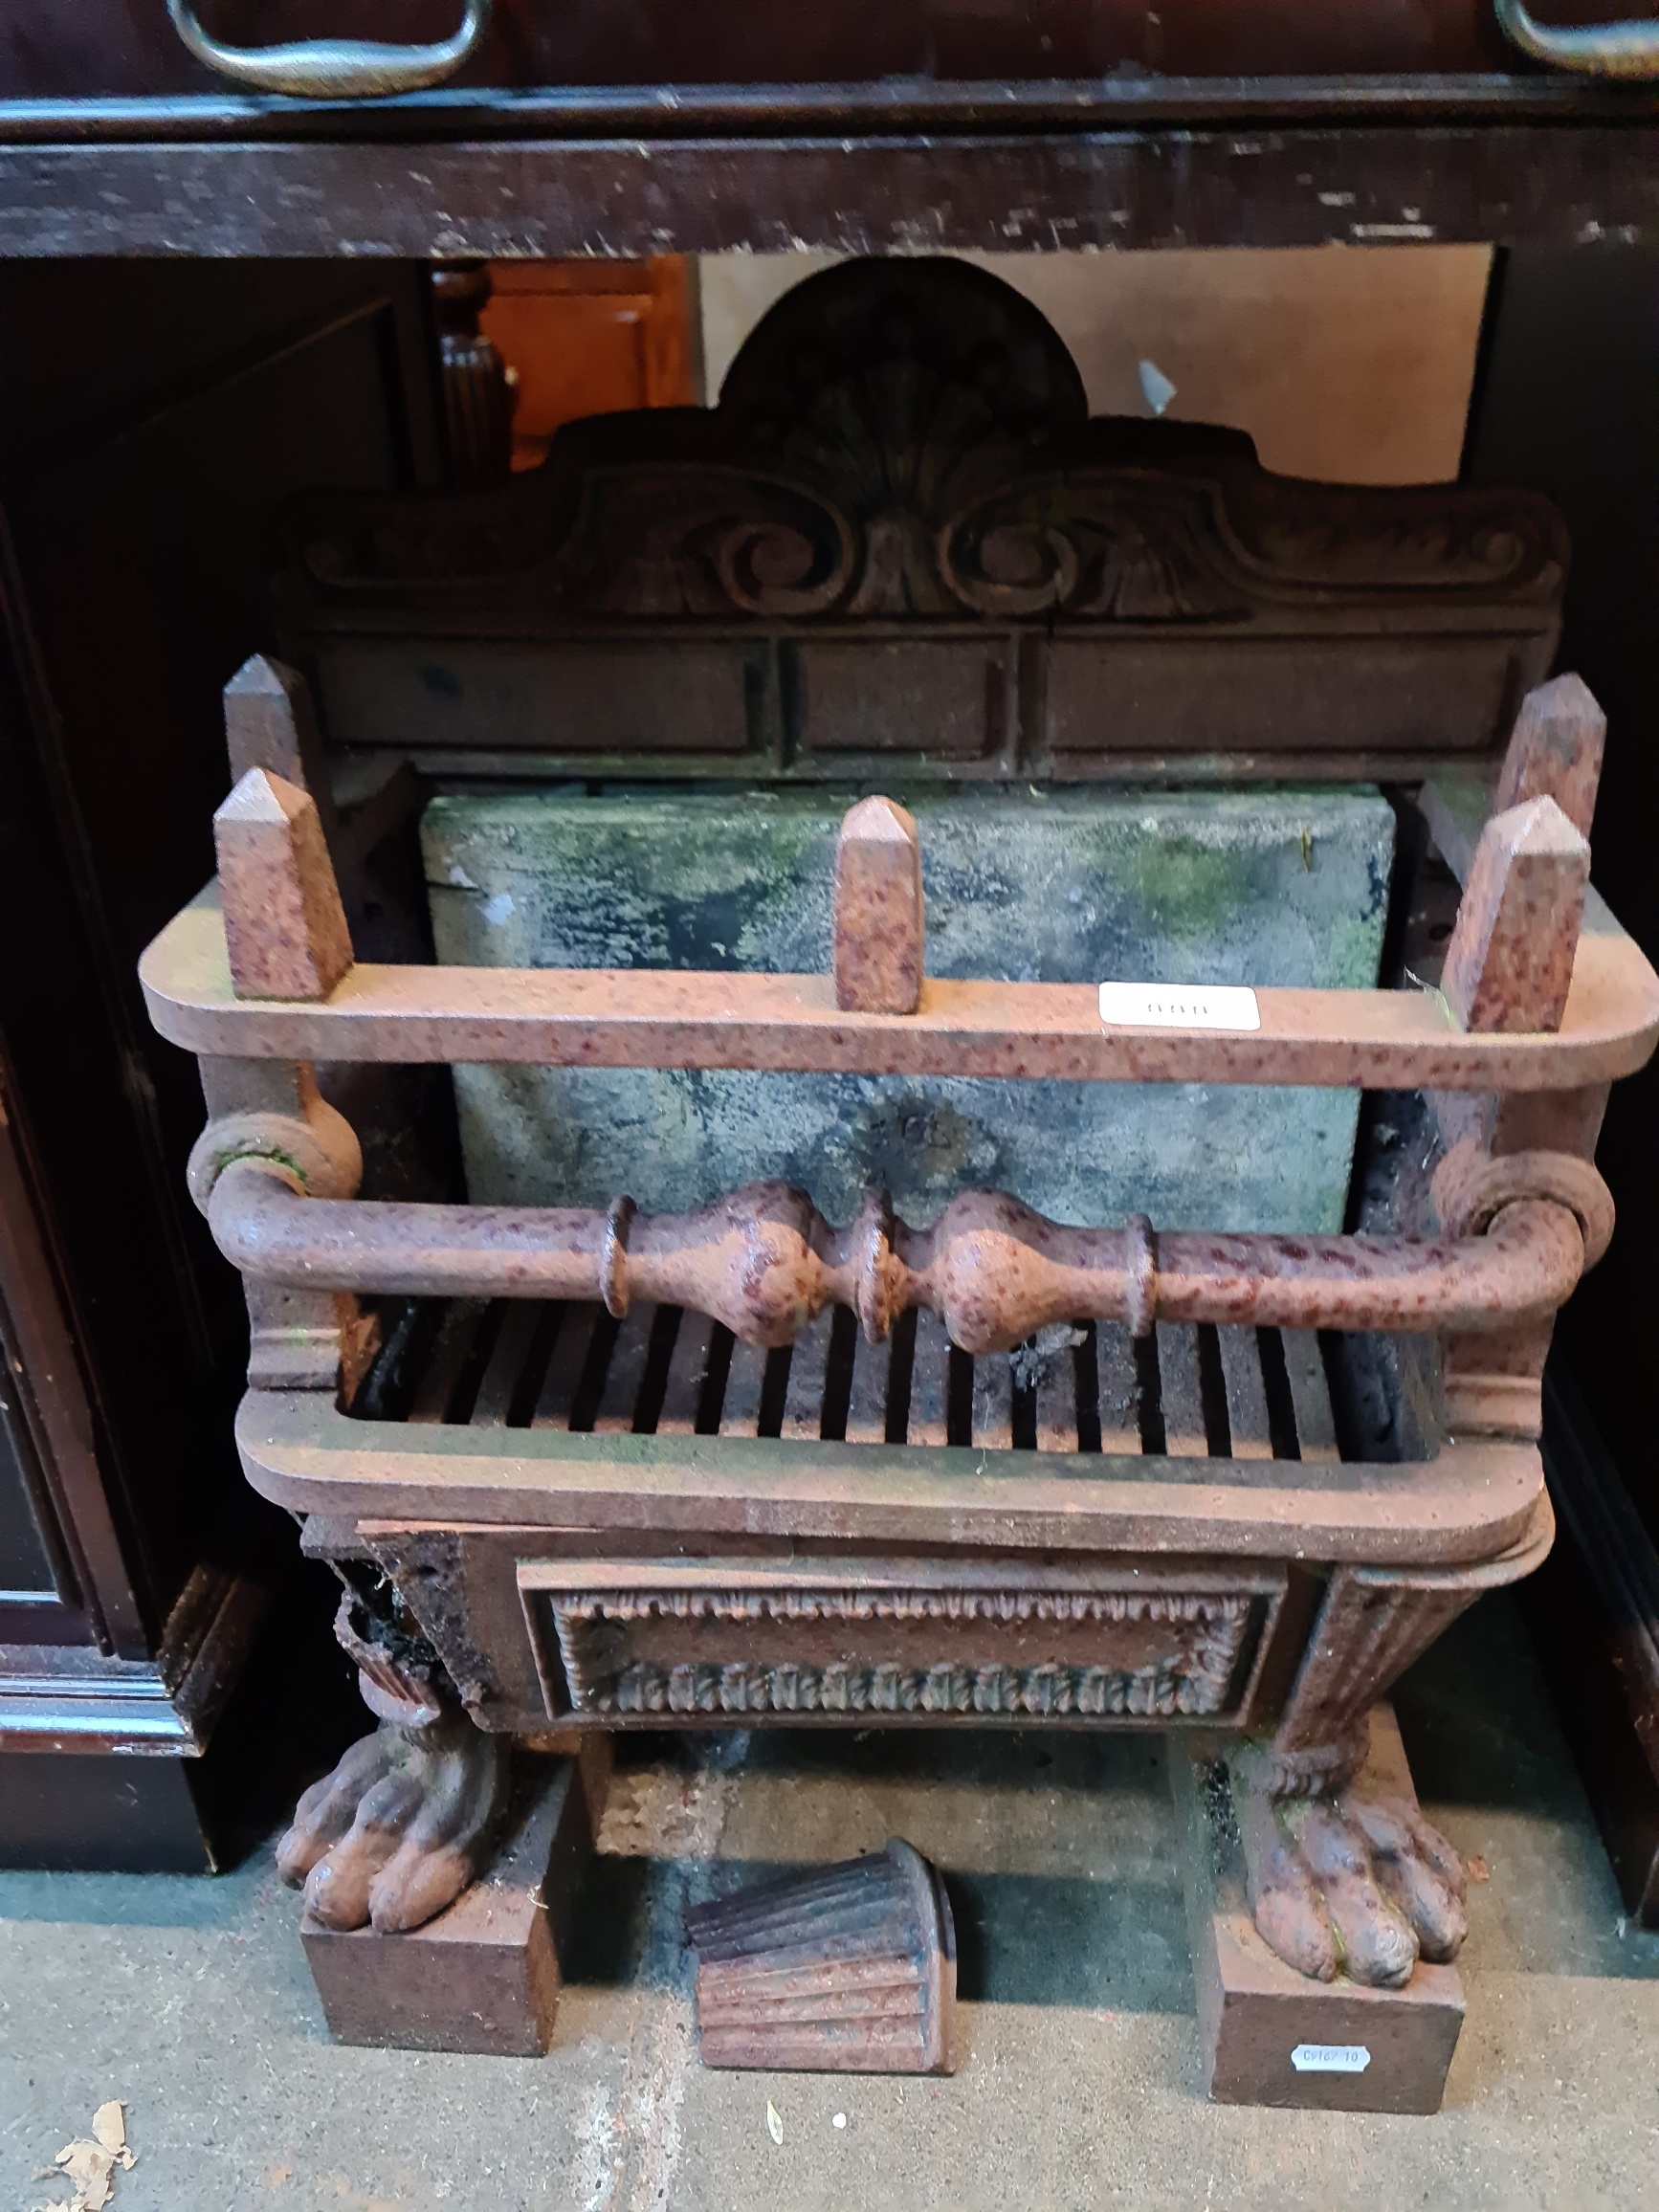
764,1262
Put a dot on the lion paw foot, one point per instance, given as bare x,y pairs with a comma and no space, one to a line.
1352,1884
400,1827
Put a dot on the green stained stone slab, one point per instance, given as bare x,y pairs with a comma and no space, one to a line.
1264,887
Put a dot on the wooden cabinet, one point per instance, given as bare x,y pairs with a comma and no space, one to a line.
130,49
152,420
63,1582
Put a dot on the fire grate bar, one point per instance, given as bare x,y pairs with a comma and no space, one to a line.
1186,1392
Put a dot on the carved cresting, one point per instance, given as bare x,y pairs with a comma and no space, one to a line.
669,1640
912,440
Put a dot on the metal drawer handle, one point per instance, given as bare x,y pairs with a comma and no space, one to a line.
334,68
1596,50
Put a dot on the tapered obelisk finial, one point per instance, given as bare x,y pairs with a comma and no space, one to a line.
284,924
1555,751
878,915
1509,962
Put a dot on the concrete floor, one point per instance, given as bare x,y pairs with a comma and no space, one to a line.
1079,2084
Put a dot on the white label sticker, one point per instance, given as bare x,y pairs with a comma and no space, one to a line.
1330,2058
1173,1006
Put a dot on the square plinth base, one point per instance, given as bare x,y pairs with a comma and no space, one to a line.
1254,2012
484,1975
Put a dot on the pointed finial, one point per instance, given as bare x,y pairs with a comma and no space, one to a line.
270,723
284,924
1555,751
878,953
1510,960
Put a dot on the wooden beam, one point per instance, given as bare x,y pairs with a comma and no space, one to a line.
974,169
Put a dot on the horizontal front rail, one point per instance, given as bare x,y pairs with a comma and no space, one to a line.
765,1263
655,1018
557,1491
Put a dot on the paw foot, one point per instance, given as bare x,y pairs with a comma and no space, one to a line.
400,1827
1357,1885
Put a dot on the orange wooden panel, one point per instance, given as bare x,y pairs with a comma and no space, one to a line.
589,338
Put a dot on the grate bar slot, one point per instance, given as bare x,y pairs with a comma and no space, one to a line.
1086,1383
1057,1396
993,1403
1180,1387
866,1402
688,1374
665,1325
457,1334
1186,1391
745,1384
1309,1395
1247,1397
1120,1388
556,1398
500,1389
804,1403
625,1376
929,1381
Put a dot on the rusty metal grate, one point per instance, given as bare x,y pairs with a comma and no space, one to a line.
1184,1392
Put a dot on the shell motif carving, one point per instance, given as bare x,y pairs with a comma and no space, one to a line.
913,440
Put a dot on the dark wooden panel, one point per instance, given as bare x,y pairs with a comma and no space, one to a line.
1594,1615
72,1809
1405,695
84,1591
1102,52
23,1562
132,49
149,423
108,349
681,697
900,695
1571,404
1276,184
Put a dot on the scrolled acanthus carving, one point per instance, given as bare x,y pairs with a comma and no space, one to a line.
703,540
1091,545
903,441
1290,533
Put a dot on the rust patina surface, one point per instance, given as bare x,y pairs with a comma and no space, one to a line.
765,1263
